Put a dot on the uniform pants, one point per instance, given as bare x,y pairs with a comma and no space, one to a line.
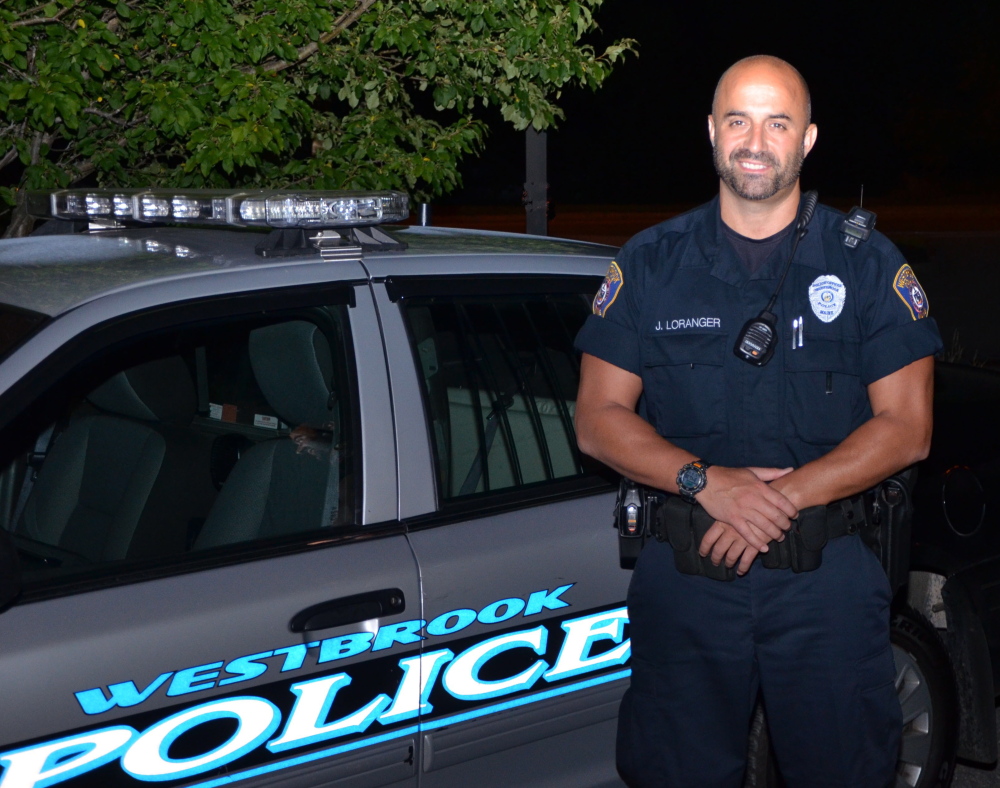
815,644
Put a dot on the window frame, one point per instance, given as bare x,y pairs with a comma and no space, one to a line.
41,391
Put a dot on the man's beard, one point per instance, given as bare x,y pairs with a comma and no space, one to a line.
750,186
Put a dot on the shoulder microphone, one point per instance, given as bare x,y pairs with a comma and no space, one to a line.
759,336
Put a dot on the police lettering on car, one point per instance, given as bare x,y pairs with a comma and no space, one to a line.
565,655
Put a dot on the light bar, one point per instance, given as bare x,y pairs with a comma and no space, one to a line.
277,209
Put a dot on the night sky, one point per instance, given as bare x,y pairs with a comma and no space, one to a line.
906,103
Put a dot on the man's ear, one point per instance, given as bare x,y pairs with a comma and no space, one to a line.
809,139
711,130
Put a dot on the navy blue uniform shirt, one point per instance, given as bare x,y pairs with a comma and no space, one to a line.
674,301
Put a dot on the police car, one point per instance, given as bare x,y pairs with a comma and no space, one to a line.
290,497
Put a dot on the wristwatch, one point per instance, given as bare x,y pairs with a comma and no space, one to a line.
691,479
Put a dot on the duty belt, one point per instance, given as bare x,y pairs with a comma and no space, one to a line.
684,525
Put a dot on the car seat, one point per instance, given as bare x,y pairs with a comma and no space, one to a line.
278,487
123,482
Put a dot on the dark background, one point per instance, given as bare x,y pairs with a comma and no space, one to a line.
907,103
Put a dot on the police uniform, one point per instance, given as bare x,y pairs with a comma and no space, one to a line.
816,643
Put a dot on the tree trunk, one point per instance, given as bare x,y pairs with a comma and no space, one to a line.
20,223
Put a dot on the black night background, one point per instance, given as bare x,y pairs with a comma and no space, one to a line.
906,103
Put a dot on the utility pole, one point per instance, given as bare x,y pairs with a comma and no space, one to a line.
536,184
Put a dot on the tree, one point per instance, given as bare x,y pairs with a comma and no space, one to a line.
279,93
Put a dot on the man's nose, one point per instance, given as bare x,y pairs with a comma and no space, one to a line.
755,139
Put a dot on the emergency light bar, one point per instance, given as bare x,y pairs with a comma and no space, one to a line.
278,209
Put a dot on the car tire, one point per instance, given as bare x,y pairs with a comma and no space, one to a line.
925,686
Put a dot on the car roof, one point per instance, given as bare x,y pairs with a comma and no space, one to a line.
52,274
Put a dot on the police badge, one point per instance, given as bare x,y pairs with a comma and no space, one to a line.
606,296
827,294
909,290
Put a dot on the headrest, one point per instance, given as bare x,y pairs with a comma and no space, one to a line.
160,390
294,366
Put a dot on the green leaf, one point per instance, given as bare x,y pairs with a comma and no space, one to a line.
103,59
201,108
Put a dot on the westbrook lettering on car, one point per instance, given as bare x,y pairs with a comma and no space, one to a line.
281,724
98,700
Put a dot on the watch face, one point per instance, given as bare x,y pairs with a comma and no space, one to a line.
691,479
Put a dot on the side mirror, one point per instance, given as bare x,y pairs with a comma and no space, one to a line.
10,571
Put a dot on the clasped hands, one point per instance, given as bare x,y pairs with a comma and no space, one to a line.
748,514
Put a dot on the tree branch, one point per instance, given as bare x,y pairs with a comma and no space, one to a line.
84,169
45,20
36,146
106,115
8,157
20,223
342,22
30,11
18,74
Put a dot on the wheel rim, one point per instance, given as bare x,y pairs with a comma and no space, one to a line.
918,719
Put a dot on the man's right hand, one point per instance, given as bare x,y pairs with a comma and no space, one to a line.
742,498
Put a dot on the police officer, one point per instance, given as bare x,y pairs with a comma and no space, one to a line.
843,403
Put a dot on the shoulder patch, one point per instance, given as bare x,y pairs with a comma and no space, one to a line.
912,294
610,288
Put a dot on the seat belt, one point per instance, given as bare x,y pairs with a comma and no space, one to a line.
35,460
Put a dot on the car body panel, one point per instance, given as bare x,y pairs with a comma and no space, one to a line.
413,450
137,632
149,650
566,545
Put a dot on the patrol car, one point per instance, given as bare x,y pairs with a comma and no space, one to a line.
290,496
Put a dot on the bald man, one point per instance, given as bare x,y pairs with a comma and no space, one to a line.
757,578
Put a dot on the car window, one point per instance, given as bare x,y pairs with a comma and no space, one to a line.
197,439
500,376
16,325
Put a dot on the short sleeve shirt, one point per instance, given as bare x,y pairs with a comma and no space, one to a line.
677,296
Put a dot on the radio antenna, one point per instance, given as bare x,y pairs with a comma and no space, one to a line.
861,204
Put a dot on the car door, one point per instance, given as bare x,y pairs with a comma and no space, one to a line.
525,644
208,597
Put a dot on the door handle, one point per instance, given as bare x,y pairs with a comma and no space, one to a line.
349,610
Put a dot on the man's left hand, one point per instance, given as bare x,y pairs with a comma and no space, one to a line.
725,544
